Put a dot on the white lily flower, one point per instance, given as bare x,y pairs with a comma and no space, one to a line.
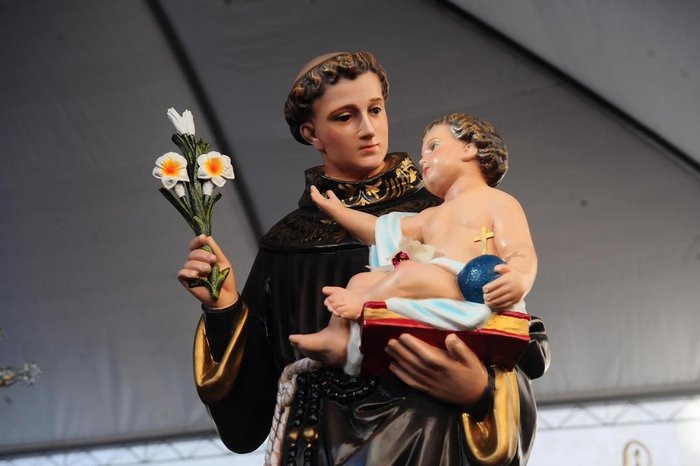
184,124
170,168
207,188
215,167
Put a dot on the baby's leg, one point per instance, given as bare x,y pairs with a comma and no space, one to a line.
328,346
410,279
416,280
348,302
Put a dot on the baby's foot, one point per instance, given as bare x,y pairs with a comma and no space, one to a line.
329,346
343,303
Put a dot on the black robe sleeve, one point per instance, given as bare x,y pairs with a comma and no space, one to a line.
242,416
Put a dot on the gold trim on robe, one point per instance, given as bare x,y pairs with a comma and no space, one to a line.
215,379
494,440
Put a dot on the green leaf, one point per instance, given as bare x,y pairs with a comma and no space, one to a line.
210,208
202,146
213,283
180,206
195,282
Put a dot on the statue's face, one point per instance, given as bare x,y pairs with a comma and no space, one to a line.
350,128
442,159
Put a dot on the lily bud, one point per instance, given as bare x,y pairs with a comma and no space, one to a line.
184,124
179,190
207,188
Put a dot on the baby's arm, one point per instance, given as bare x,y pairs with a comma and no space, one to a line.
360,224
412,227
514,245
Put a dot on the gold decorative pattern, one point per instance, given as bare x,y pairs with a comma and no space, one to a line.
394,183
501,322
380,313
399,188
215,379
494,440
507,323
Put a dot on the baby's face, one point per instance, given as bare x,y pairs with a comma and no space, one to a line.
442,156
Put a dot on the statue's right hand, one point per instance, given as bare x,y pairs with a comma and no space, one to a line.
199,264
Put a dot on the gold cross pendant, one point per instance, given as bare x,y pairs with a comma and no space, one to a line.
483,237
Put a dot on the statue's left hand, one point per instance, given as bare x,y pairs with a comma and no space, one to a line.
456,376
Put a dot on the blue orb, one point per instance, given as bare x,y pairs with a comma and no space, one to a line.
477,273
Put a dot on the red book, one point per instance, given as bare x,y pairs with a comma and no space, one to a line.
500,341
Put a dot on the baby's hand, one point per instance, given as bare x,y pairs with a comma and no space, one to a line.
507,290
326,203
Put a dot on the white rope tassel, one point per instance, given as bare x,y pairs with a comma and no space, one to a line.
286,388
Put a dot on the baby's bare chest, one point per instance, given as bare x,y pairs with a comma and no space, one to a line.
455,232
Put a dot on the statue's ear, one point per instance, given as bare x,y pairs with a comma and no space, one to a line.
469,151
308,132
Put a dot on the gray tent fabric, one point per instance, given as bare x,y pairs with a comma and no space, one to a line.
90,248
643,57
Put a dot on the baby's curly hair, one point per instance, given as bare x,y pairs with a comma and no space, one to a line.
492,153
312,83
